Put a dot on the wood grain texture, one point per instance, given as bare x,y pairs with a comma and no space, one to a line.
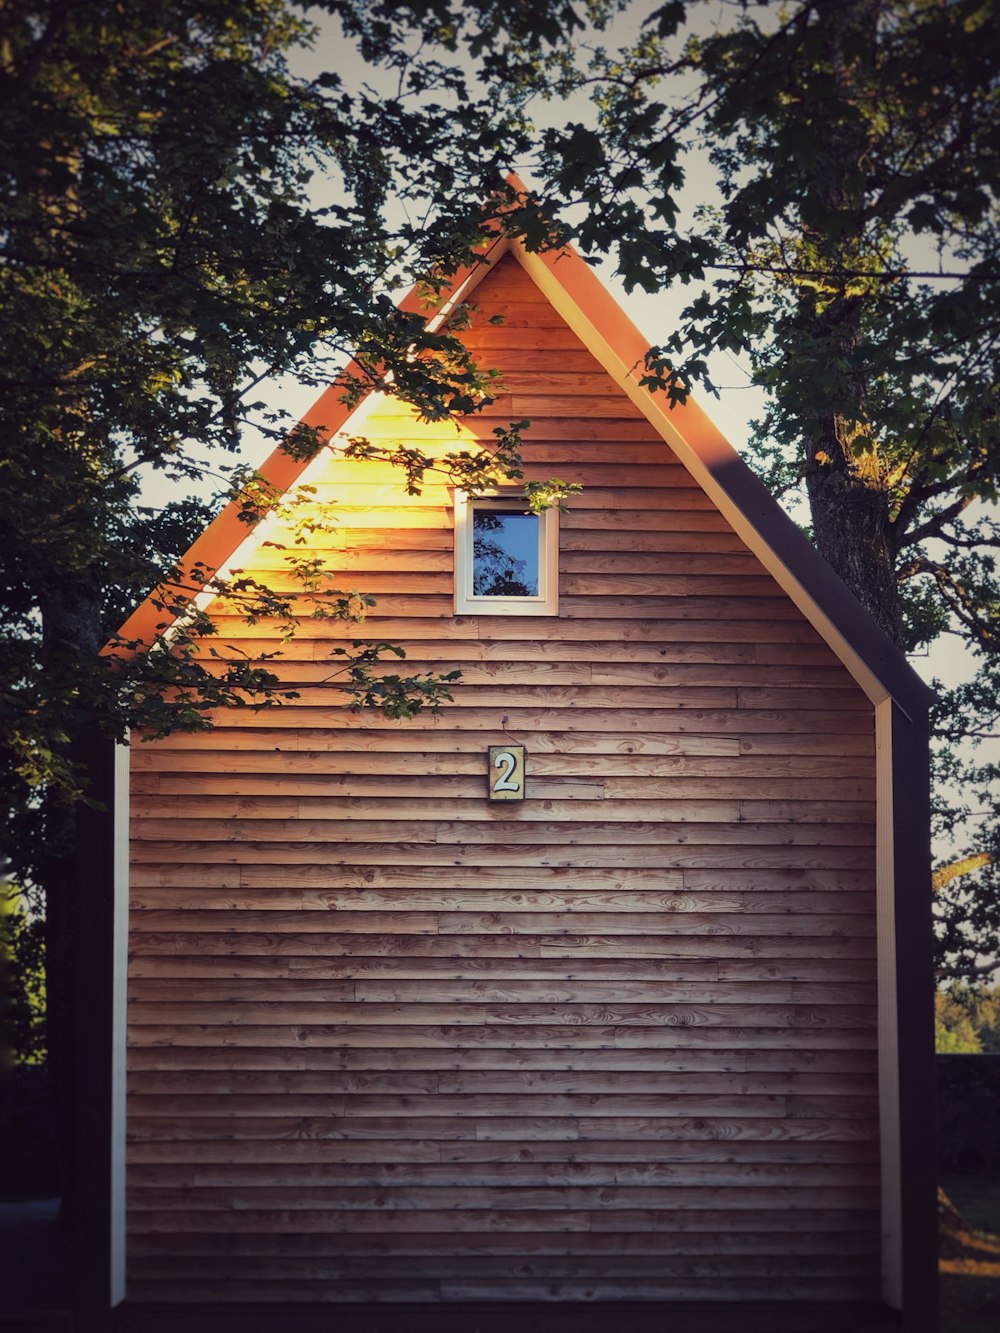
391,1043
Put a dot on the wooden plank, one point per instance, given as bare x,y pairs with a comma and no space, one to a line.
193,1291
562,1172
508,878
468,786
495,831
243,957
195,1083
480,429
401,583
263,1205
365,558
635,682
654,695
299,930
225,739
608,1015
198,815
654,468
577,536
554,697
590,1268
826,1233
543,360
526,1036
677,1059
301,989
649,627
285,798
743,723
636,563
410,1292
672,490
622,775
318,785
588,513
666,585
271,793
763,1141
829,846
386,909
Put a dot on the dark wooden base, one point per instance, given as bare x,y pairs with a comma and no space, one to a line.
639,1317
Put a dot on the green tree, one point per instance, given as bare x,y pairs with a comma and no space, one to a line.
853,260
165,249
954,1030
163,253
22,980
968,1020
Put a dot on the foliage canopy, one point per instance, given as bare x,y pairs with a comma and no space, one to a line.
163,255
852,259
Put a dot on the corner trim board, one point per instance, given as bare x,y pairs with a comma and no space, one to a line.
119,1022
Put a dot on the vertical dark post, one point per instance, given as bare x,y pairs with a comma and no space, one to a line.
915,999
92,961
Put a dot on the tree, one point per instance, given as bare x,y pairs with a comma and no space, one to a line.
162,255
968,1020
164,251
854,261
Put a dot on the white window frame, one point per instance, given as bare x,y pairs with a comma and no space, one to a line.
466,602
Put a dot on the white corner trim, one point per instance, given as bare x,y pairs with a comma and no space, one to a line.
888,1015
460,296
661,420
118,1023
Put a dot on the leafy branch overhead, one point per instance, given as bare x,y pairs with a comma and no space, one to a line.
848,254
185,678
187,219
168,247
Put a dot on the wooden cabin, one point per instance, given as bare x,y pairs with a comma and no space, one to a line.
652,1033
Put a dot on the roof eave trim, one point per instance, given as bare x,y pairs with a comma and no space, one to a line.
873,660
215,548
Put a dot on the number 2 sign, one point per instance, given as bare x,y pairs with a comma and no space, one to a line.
506,773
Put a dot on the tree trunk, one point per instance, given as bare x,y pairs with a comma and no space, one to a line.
849,502
845,474
71,631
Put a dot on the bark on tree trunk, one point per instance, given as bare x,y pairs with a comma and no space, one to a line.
849,502
845,476
71,630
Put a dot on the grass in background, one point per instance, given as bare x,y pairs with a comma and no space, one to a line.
969,1250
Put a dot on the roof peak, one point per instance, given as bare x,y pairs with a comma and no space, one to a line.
578,295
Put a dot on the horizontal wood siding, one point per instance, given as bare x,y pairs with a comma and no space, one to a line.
390,1042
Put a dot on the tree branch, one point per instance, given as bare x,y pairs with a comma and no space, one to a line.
945,874
931,528
957,598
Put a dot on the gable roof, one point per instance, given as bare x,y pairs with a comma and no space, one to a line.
578,296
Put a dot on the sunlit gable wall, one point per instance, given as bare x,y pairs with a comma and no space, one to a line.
391,1041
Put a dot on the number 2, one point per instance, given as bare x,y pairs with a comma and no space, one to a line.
506,761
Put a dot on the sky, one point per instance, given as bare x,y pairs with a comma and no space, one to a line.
738,401
655,314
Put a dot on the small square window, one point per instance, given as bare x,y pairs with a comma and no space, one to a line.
505,557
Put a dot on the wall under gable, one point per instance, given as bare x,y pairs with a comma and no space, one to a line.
390,1041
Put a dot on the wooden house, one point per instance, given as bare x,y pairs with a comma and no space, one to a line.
654,1033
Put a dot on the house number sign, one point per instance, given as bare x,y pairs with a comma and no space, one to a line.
506,773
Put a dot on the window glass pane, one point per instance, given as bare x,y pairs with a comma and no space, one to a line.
504,553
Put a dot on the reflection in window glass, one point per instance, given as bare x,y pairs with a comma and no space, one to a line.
504,553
